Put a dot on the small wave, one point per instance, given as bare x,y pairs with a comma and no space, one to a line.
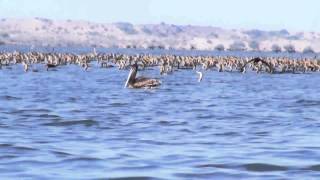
72,123
210,116
18,148
171,123
5,145
43,112
7,157
306,103
314,167
24,148
85,159
12,169
187,130
72,99
212,105
60,153
228,134
223,166
28,162
137,168
135,178
9,98
199,110
203,175
77,111
118,104
255,167
49,116
262,167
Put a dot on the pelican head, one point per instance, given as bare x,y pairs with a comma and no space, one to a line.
132,75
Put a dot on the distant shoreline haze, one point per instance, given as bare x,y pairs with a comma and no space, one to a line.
47,32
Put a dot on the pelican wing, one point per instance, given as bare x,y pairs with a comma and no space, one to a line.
51,65
256,60
143,82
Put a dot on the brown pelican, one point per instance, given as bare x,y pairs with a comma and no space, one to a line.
140,82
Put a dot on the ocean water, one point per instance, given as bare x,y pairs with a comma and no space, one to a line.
71,124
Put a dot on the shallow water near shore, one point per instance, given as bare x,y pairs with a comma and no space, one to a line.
72,124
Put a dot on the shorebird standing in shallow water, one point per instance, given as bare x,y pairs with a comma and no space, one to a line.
25,66
50,66
140,82
200,76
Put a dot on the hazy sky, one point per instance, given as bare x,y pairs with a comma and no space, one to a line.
263,14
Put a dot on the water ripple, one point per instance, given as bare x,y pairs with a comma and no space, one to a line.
263,167
72,123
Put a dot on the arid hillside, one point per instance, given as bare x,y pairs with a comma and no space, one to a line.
46,32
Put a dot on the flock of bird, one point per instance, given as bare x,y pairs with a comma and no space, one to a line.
167,63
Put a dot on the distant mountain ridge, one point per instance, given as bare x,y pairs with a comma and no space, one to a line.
47,32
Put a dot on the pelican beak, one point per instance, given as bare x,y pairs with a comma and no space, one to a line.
128,79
